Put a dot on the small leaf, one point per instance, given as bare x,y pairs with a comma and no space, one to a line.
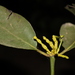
71,8
15,31
68,30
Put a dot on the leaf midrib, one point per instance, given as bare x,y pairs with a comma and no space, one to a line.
17,37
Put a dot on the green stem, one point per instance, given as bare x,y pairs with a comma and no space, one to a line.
52,63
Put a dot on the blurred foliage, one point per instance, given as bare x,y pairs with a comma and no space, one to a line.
71,8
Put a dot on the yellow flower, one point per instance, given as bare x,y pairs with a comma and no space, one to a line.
55,47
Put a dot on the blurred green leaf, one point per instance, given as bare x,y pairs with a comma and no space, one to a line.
68,30
71,8
15,31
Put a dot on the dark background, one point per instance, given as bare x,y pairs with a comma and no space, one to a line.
46,17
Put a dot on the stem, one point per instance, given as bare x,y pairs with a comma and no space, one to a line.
52,63
68,48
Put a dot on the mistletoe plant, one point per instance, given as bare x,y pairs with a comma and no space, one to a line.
17,32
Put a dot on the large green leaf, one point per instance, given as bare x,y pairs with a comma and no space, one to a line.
68,30
15,31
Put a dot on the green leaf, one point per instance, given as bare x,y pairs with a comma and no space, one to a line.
15,31
68,30
71,8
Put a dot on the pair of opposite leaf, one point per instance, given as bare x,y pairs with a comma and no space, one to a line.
55,47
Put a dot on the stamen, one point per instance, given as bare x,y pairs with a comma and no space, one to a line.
63,56
59,45
48,41
43,45
55,42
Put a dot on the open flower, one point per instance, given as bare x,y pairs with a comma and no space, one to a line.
55,47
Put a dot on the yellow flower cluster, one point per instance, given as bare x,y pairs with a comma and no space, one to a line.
54,46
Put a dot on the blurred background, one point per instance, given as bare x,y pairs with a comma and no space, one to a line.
46,17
